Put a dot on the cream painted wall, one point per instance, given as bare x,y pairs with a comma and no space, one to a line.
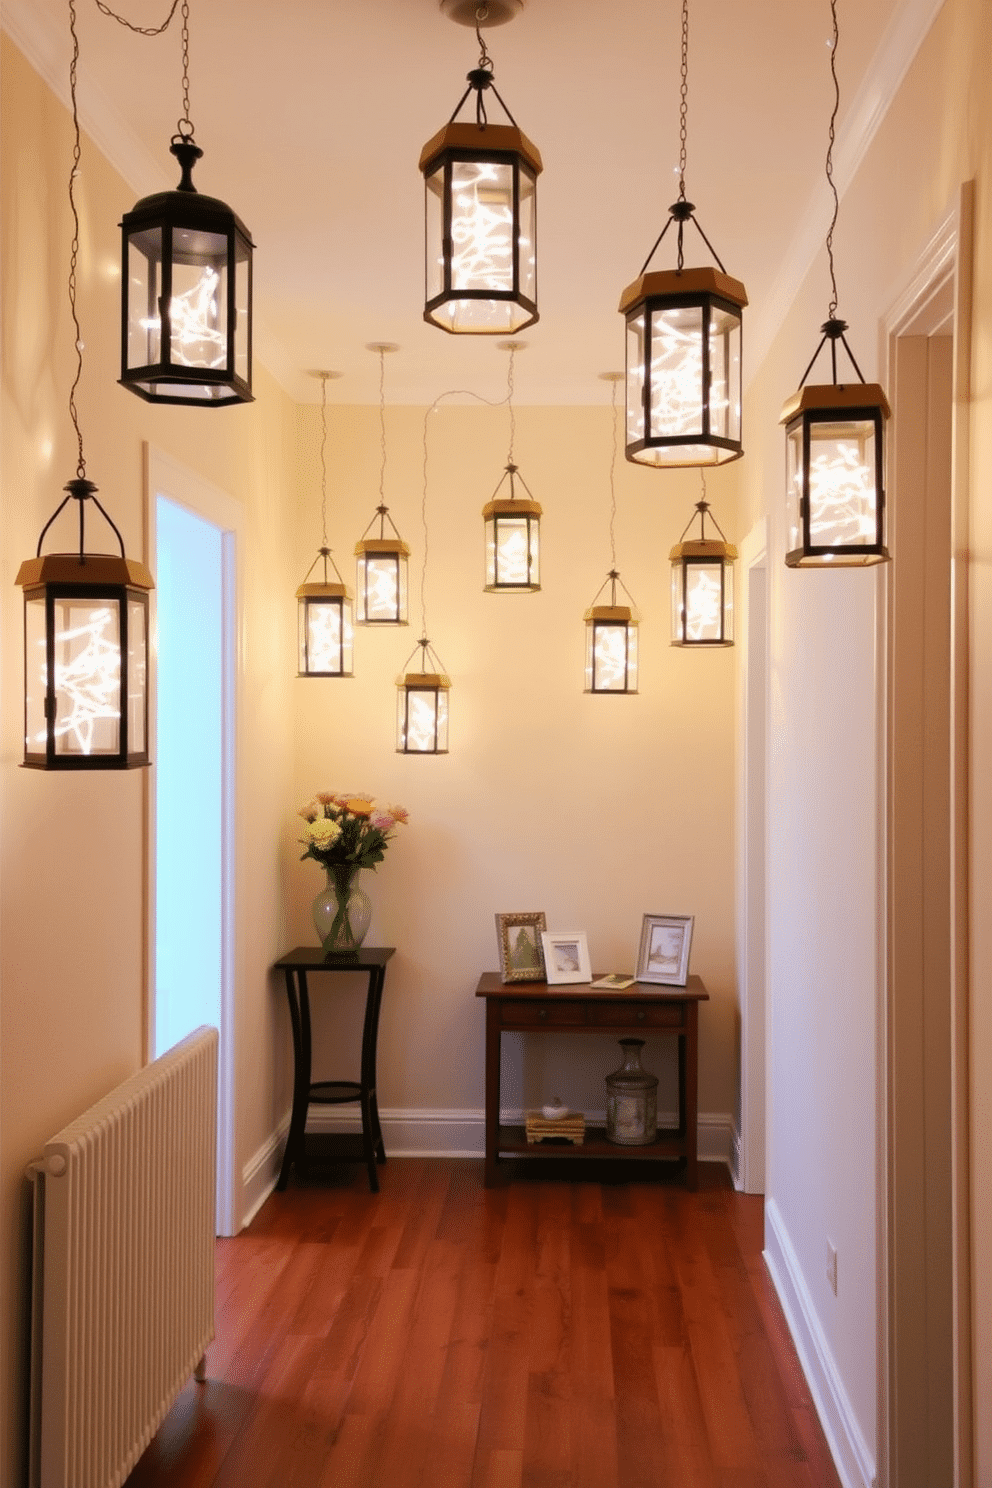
593,809
72,847
825,735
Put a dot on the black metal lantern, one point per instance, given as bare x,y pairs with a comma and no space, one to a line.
481,225
422,706
513,538
703,587
85,654
326,632
835,471
683,344
186,296
382,585
611,643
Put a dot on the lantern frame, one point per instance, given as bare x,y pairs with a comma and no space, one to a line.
496,513
653,296
818,408
332,594
699,552
176,227
93,578
433,685
456,308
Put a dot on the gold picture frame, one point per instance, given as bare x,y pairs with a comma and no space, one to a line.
521,954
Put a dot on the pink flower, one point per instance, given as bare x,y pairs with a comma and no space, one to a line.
382,820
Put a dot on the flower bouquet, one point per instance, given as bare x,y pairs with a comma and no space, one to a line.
344,834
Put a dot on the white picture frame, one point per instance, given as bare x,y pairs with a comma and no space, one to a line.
566,957
663,955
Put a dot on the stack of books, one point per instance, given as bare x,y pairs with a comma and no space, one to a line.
570,1128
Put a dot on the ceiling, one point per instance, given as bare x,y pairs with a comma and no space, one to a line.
311,115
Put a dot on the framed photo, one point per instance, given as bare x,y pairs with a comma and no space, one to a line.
664,951
566,956
521,955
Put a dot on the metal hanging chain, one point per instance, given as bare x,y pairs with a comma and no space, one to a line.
323,459
74,251
482,14
184,129
138,30
613,480
832,311
684,104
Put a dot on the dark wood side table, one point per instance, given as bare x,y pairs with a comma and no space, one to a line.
534,1007
371,960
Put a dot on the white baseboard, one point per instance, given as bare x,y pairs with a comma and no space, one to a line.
852,1457
261,1172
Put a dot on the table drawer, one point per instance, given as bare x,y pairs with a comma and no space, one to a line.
544,1014
637,1014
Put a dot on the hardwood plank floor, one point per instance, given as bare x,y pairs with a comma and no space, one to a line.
559,1332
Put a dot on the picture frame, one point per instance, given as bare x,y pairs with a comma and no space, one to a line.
566,957
521,953
663,955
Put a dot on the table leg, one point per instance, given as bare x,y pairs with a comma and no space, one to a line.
689,1081
372,1142
299,1017
493,1051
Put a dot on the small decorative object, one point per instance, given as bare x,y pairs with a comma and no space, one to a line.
631,1099
664,950
566,956
555,1109
345,834
617,981
521,954
568,1127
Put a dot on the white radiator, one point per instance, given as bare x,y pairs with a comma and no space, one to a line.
123,1279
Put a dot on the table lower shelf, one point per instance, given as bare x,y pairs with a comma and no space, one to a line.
513,1140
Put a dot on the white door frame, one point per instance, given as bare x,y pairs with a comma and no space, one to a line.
752,795
165,476
940,289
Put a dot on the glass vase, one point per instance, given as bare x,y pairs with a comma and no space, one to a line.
342,912
631,1099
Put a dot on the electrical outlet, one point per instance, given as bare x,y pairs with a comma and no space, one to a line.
832,1266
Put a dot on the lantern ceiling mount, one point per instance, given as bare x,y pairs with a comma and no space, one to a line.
490,13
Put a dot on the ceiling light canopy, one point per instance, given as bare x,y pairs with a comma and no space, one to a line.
186,287
683,345
703,586
835,437
481,185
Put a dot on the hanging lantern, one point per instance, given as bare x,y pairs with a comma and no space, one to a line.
422,706
186,296
325,624
382,578
85,654
513,539
611,643
703,587
835,474
683,344
481,254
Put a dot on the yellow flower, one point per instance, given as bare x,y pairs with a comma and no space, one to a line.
359,807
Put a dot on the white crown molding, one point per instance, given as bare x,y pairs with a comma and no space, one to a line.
903,38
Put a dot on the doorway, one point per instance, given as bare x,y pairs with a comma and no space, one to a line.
193,542
752,708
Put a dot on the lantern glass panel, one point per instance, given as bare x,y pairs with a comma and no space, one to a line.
725,373
611,656
794,484
423,720
382,588
635,377
527,236
87,675
705,601
35,674
143,265
137,651
326,637
482,225
843,495
242,302
512,552
676,372
198,306
435,232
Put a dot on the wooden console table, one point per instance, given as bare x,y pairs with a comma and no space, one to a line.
372,961
534,1007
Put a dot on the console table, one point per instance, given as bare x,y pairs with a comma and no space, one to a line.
372,961
534,1007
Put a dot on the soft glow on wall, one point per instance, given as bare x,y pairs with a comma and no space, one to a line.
481,220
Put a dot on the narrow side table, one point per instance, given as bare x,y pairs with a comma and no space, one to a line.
371,960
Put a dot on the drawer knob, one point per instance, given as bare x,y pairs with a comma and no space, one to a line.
640,1015
542,1012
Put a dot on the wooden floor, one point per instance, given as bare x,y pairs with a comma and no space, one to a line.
547,1334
